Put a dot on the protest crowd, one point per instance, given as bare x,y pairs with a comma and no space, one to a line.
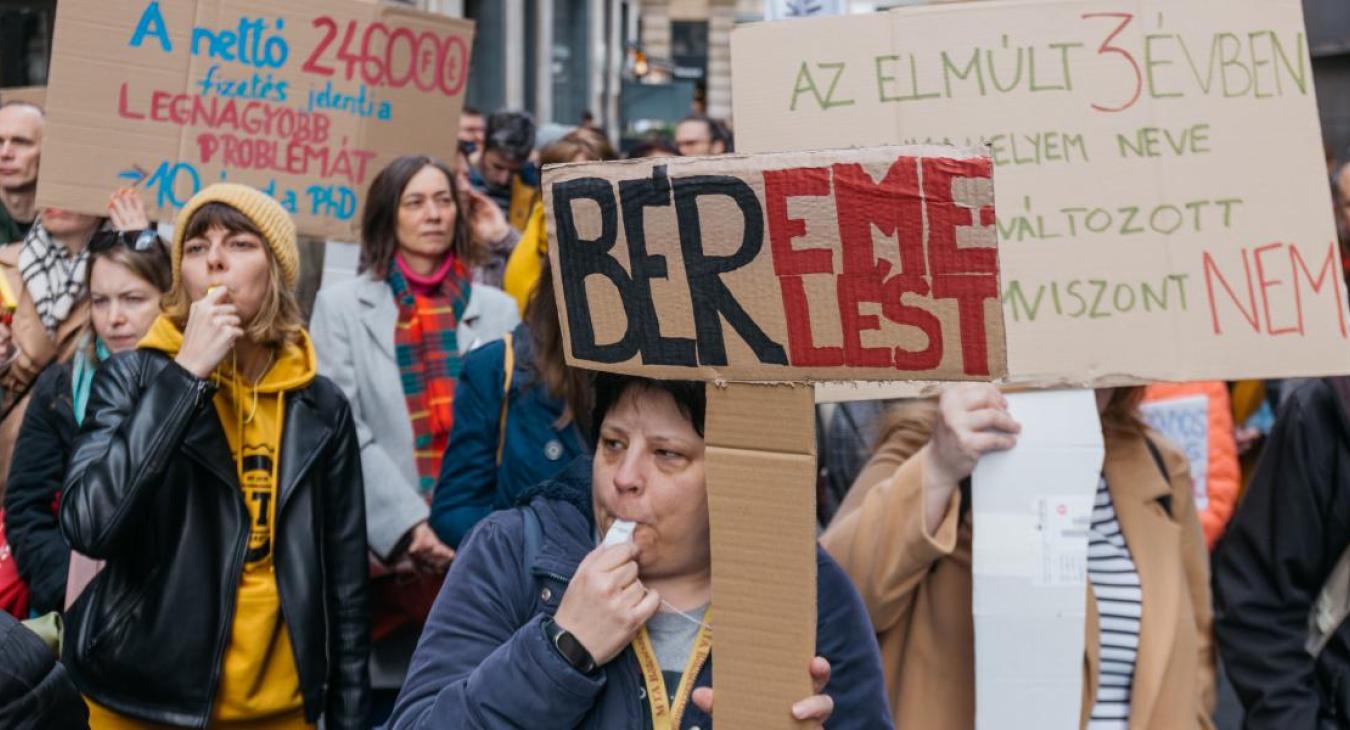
398,505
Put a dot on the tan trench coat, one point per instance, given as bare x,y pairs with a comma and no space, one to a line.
917,585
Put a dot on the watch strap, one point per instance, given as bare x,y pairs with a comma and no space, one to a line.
567,646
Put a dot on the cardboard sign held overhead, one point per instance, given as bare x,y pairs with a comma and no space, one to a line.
1162,193
304,99
872,264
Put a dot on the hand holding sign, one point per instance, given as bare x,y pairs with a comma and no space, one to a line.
973,420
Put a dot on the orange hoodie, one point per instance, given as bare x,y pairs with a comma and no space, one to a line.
1208,443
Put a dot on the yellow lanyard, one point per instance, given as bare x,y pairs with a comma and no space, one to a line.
664,717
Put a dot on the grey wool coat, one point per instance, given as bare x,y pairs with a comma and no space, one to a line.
353,333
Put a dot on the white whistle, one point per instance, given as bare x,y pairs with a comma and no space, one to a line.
619,532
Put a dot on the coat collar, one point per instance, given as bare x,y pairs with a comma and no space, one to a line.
1138,486
565,512
379,314
304,434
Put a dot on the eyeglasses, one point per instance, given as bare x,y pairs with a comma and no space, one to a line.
139,241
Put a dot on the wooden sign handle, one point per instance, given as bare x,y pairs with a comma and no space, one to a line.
761,472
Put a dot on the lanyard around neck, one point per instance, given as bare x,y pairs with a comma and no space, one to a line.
664,716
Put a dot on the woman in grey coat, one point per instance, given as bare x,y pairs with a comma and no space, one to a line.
392,339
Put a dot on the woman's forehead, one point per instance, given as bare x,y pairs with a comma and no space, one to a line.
652,411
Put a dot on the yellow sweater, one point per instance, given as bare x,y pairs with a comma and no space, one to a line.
259,685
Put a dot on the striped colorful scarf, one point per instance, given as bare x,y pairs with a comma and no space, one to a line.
427,351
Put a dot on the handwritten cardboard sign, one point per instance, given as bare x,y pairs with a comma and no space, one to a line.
872,264
305,99
1162,195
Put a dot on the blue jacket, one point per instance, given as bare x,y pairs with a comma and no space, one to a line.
483,660
472,484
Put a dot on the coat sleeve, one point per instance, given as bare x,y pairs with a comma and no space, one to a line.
34,485
1269,569
845,638
130,435
393,506
1195,563
881,541
483,660
347,589
465,492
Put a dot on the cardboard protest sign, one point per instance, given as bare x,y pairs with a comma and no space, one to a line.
1185,422
305,99
872,264
1162,194
32,94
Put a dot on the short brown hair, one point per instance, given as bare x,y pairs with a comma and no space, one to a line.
379,220
151,264
1122,412
279,321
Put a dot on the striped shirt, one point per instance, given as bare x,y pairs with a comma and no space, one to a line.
1115,582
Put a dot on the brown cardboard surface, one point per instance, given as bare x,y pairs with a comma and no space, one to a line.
130,103
1161,189
760,463
770,268
31,94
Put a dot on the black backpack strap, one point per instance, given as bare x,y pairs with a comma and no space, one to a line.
1156,453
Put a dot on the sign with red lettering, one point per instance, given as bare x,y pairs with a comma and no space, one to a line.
304,99
1162,190
869,264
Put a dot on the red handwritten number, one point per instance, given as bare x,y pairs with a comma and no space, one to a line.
312,63
373,70
405,34
345,53
1106,48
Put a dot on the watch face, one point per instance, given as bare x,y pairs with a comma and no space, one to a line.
576,653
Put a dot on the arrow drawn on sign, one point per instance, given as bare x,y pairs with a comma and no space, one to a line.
136,175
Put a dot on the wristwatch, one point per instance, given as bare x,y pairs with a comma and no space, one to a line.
568,647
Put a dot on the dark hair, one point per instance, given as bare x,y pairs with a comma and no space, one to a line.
1122,410
220,215
610,388
470,110
646,147
379,220
717,130
511,134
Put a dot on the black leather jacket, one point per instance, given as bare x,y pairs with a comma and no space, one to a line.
152,489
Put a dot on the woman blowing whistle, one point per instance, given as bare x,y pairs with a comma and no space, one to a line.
540,624
218,476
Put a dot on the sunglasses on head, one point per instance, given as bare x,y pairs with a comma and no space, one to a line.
134,240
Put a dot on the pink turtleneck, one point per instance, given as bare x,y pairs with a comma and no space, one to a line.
425,285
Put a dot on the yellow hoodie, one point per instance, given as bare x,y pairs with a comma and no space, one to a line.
259,684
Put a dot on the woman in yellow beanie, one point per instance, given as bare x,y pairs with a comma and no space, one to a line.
218,475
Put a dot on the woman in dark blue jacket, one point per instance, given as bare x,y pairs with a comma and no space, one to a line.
537,627
514,423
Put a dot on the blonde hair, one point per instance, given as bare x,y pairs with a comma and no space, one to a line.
278,322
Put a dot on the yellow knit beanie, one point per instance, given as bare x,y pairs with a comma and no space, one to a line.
267,214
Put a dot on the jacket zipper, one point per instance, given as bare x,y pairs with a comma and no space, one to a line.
235,569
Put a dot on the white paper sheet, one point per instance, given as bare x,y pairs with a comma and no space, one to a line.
1031,510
